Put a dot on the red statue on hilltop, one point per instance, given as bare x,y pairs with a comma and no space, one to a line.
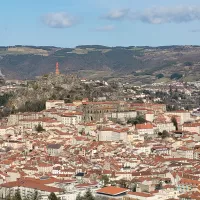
57,69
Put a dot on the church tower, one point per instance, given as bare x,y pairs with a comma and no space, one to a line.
57,69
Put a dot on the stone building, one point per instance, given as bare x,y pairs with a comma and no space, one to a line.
54,149
96,111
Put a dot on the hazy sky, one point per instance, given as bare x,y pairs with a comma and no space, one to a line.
68,23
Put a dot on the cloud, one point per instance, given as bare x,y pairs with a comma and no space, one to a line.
59,20
105,28
195,30
158,15
117,14
161,15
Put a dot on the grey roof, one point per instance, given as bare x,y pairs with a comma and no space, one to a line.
54,146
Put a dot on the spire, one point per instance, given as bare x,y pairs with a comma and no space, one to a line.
57,69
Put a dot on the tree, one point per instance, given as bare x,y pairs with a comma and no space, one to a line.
188,63
147,138
78,197
158,186
171,108
174,121
119,121
31,106
122,183
163,134
35,196
17,196
26,198
176,76
159,134
159,76
5,98
188,107
8,197
88,195
101,198
137,120
133,188
170,90
39,128
53,97
82,131
105,179
52,196
139,100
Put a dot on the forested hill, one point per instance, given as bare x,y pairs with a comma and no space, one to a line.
140,64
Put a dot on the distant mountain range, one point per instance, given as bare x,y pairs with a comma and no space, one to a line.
135,64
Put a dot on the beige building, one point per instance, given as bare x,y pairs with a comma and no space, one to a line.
96,111
191,127
111,134
165,126
149,116
6,130
14,119
156,108
184,115
54,149
124,115
71,118
88,128
32,124
145,129
27,188
185,152
53,103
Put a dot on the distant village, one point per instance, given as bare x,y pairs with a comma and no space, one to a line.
134,148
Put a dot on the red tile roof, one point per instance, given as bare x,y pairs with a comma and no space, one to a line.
189,182
111,190
140,194
144,126
31,184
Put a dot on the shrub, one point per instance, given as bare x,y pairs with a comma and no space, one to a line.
176,76
158,76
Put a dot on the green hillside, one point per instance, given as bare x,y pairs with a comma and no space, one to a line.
134,63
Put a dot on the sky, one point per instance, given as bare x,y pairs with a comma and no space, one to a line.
68,23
